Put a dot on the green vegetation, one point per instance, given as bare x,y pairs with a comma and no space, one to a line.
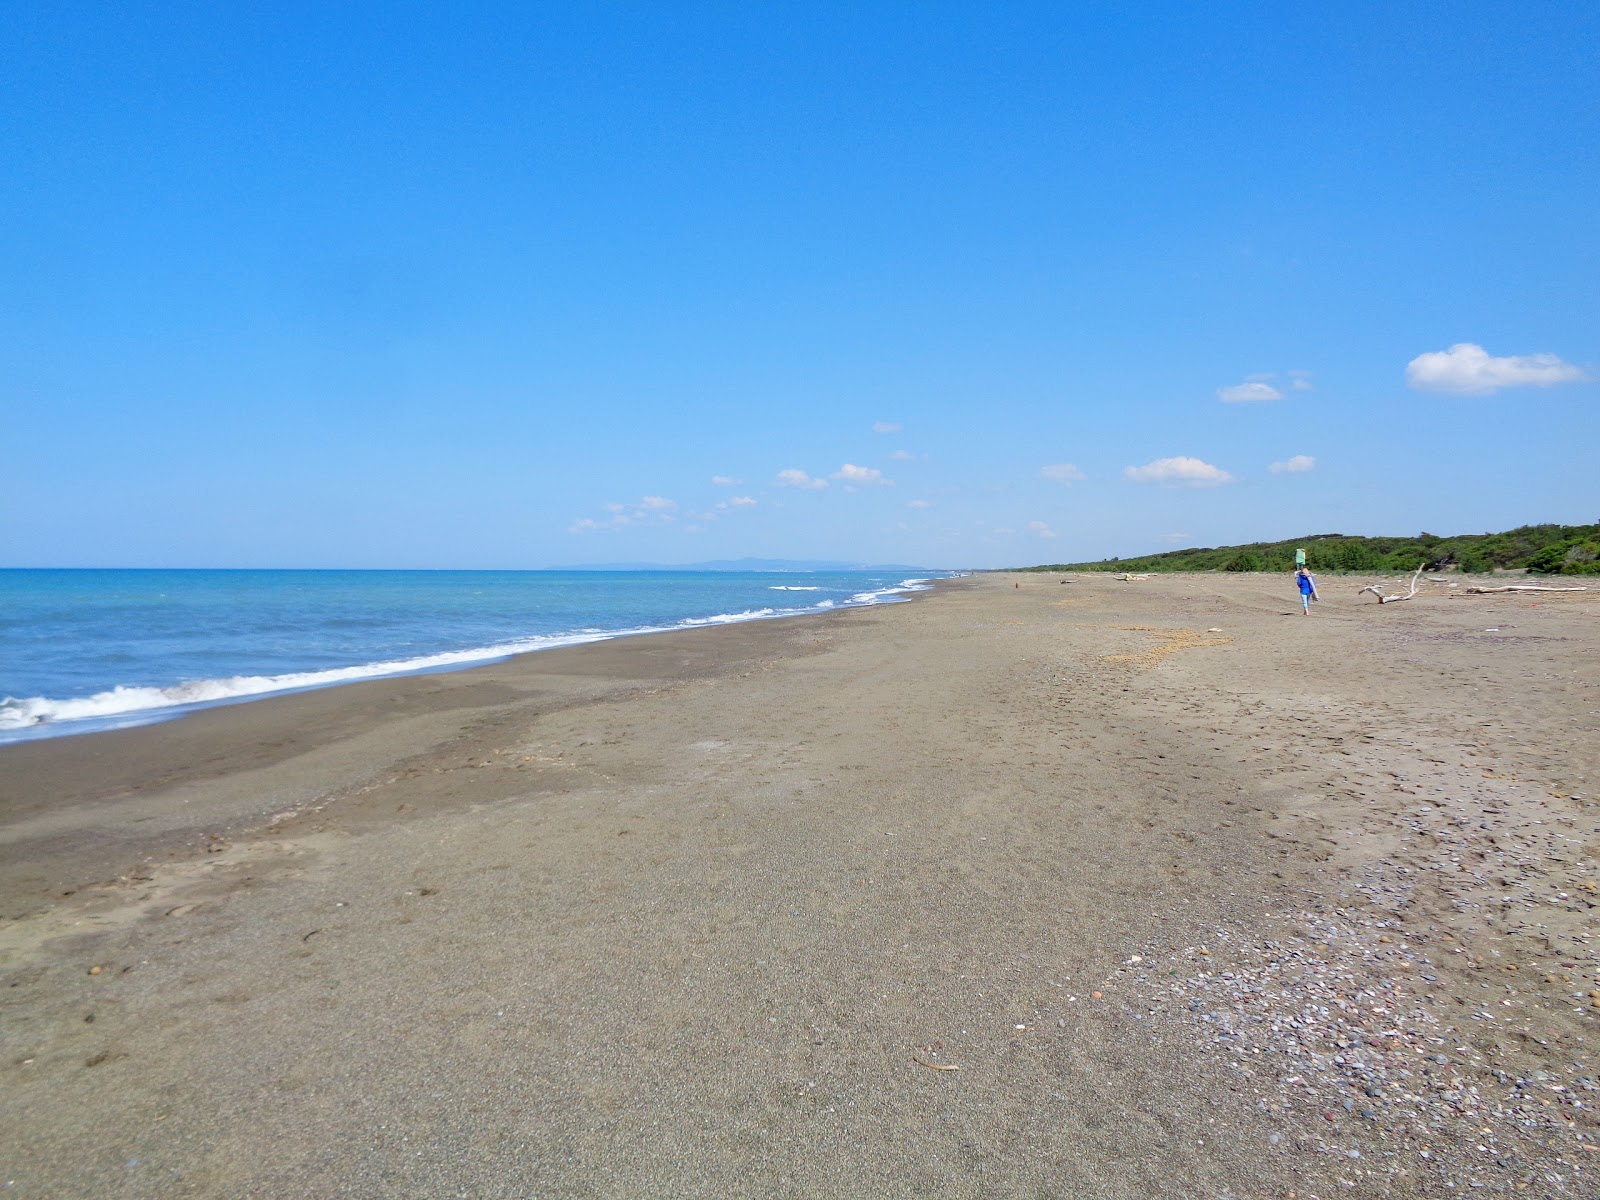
1541,549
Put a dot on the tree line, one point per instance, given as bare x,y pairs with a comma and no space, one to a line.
1538,549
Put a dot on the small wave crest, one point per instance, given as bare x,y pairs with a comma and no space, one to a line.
19,714
730,618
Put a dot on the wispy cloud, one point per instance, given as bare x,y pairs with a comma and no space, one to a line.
905,456
1467,369
1254,390
726,481
1062,473
1176,539
1181,471
860,476
887,427
1041,529
1298,465
795,478
919,504
1300,381
738,502
650,510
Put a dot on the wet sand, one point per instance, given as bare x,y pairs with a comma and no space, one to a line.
1199,896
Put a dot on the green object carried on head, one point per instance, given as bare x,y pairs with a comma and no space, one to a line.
1299,558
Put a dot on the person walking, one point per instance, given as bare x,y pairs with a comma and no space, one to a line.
1308,589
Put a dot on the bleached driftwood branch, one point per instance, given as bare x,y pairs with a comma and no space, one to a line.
1520,587
1129,577
1377,589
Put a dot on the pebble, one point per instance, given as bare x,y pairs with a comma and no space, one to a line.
1308,1017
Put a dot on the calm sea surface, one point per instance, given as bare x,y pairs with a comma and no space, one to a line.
82,650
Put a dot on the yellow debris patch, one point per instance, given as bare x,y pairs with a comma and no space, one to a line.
1168,641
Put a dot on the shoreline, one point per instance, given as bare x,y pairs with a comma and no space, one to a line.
1168,875
51,783
171,708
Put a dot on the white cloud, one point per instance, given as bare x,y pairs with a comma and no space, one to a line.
1249,392
1298,465
726,481
850,473
919,504
652,510
887,427
1062,473
1180,471
904,456
1300,381
1040,528
799,479
741,502
1467,369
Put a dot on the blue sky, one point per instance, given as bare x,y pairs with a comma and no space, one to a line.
409,286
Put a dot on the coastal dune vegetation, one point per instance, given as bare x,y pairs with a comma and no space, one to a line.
1537,549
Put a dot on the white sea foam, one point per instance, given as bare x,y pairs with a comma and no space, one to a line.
787,587
880,595
120,701
729,618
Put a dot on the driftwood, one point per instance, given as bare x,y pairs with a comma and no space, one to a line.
1377,590
1520,587
1129,577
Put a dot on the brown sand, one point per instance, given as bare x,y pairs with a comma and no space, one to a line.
1202,898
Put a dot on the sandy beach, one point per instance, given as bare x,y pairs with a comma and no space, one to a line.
1077,888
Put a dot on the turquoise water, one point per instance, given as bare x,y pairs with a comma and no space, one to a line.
84,650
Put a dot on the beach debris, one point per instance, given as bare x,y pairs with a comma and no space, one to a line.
311,935
1169,641
96,970
933,1066
1377,589
1519,587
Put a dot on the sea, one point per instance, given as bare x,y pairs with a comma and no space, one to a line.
85,650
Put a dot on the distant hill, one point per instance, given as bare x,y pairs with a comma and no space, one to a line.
788,565
1541,549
